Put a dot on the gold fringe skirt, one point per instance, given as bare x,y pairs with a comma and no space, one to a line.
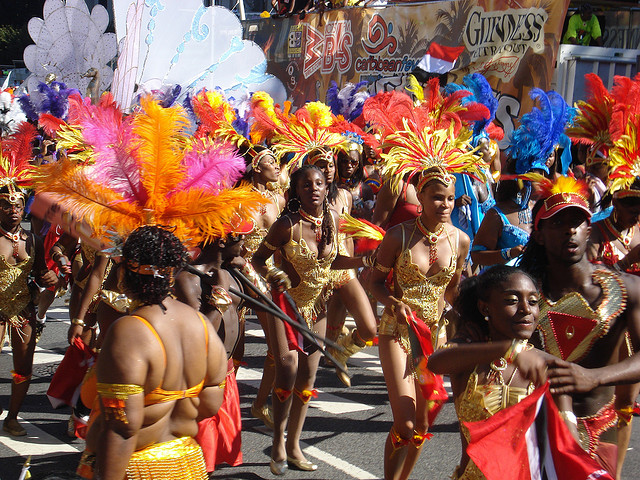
180,458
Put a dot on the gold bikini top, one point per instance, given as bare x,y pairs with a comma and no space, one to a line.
420,292
14,289
479,402
570,326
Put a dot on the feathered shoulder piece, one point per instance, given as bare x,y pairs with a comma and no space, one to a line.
592,121
557,195
16,172
347,101
298,134
540,131
150,171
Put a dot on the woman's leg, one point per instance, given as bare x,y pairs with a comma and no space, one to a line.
307,370
419,433
23,345
268,371
286,368
402,397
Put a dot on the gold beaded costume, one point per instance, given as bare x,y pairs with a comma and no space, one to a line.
479,402
180,458
314,273
422,294
14,290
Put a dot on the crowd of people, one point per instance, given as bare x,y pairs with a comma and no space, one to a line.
510,270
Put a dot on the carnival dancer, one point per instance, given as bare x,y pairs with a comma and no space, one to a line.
207,290
490,362
306,236
427,256
584,311
506,227
151,173
21,257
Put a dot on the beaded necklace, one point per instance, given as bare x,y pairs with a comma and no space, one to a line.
432,238
267,194
316,221
624,239
14,237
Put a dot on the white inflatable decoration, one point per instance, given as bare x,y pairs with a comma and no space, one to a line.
69,41
185,43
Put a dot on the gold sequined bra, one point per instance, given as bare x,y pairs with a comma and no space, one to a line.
314,275
570,326
14,290
421,293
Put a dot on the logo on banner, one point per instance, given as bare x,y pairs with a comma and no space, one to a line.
328,50
294,43
379,36
498,40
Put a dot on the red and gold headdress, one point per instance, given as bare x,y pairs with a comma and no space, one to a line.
591,124
301,133
431,139
565,192
16,171
152,172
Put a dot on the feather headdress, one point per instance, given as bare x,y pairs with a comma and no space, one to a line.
540,131
298,134
557,195
624,163
347,101
430,137
154,173
52,99
592,121
16,172
367,235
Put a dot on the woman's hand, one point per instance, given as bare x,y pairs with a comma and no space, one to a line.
516,251
402,312
532,366
278,279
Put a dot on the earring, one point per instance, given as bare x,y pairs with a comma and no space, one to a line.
486,318
293,205
419,209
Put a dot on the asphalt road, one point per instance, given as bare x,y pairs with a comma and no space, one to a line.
344,433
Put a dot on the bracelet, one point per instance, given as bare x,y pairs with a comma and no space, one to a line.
506,253
569,416
382,268
514,350
77,321
269,246
368,261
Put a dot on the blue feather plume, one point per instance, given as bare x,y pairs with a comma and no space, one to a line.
332,99
481,92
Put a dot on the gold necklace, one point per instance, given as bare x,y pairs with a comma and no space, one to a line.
316,221
432,238
14,237
624,239
267,194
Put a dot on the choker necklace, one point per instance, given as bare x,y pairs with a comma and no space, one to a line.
14,237
432,238
624,239
316,221
267,195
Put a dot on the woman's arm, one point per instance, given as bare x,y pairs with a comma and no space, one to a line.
278,235
211,395
451,291
485,242
93,285
385,203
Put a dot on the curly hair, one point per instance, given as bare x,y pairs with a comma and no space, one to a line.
151,245
294,198
480,287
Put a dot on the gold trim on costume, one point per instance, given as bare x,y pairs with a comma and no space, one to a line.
180,458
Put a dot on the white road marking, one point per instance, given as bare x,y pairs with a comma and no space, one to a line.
42,356
336,462
36,442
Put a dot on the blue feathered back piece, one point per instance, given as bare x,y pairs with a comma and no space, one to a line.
540,131
481,92
53,99
347,101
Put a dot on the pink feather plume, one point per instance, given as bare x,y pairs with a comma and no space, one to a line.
211,166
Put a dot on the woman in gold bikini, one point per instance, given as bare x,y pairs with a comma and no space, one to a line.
489,361
305,235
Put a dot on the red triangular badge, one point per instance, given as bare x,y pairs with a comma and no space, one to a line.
569,331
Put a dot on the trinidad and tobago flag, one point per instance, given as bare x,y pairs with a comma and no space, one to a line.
530,441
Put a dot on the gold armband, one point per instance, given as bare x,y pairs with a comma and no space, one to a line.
114,396
269,246
77,321
516,347
382,268
569,417
220,299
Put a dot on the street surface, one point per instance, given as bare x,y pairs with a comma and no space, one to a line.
344,433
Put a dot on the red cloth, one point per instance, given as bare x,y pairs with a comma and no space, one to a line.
70,373
219,436
294,339
528,438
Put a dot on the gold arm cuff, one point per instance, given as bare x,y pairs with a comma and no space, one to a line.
77,321
220,299
382,268
121,391
269,246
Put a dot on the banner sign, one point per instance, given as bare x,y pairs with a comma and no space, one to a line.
514,44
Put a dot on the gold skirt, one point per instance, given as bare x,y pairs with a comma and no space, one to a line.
180,458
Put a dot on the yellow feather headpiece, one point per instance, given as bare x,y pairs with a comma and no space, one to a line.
559,194
154,174
624,163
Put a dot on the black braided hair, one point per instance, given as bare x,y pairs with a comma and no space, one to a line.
480,287
151,245
294,198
